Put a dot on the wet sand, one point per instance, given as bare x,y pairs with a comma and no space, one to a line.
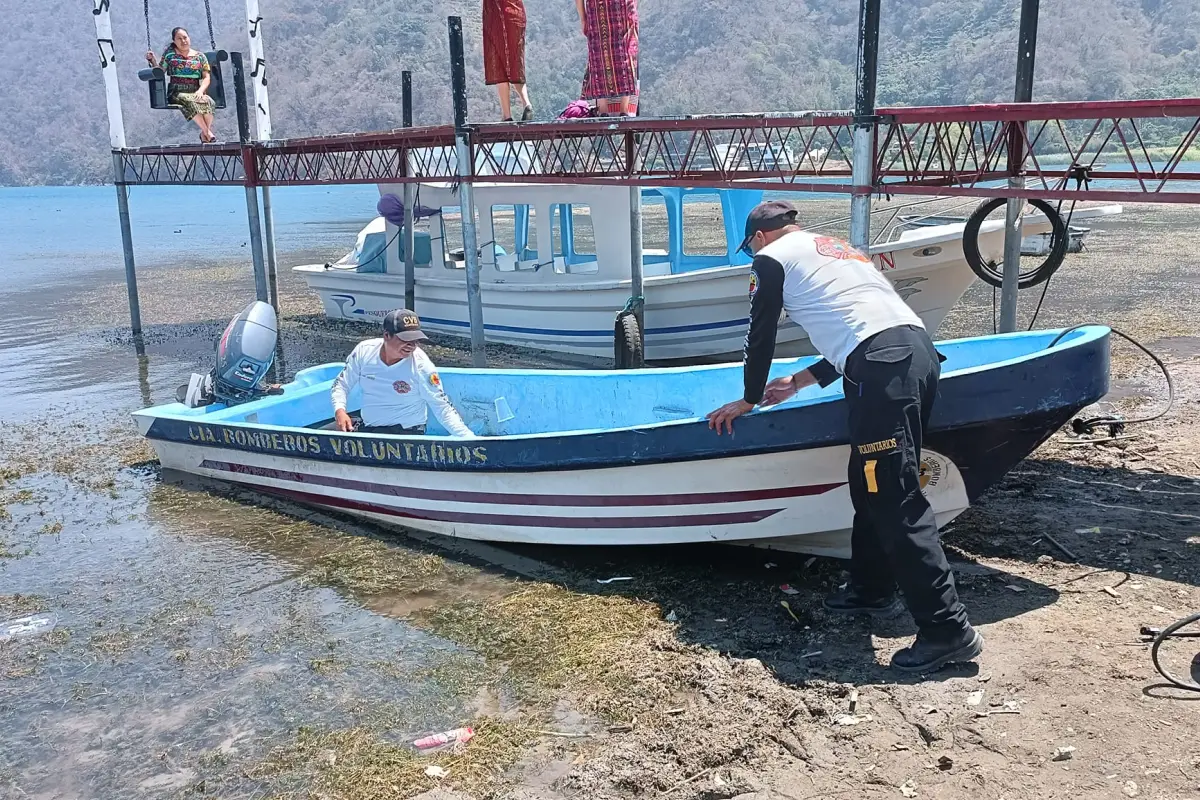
213,644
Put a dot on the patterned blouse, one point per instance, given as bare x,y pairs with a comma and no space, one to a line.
185,72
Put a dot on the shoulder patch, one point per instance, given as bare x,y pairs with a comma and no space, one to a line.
753,284
832,247
435,380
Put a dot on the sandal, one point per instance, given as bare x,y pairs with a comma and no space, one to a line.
527,114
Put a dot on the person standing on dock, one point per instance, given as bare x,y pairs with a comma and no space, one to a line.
868,336
504,54
611,75
399,384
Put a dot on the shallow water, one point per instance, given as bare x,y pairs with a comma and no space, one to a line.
194,629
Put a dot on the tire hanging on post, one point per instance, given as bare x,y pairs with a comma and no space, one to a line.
627,342
992,273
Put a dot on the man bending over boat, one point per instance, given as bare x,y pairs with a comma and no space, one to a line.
868,336
399,383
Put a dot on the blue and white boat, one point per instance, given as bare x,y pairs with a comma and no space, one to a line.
601,457
555,265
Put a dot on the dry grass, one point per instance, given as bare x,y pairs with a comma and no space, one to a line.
358,763
548,637
20,605
369,567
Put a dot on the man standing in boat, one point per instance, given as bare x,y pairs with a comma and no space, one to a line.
868,336
399,383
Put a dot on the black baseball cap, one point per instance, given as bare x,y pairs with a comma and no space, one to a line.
404,324
768,216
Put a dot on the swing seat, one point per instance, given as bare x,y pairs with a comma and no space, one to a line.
157,80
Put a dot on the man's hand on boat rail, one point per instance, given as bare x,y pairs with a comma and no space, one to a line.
727,414
786,387
343,421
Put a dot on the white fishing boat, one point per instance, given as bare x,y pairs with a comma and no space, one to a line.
616,457
555,268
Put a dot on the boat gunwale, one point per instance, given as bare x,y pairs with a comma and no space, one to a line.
1090,337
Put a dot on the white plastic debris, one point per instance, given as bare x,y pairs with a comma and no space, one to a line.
1065,753
975,698
908,789
672,617
24,627
610,580
846,720
1131,789
434,771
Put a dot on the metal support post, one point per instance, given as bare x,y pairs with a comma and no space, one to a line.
262,115
407,236
116,138
466,195
636,255
863,176
637,293
1016,158
261,288
269,236
135,306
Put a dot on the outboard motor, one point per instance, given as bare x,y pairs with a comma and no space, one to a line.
244,355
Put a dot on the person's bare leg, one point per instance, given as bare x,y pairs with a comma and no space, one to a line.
602,105
502,89
523,93
208,123
199,120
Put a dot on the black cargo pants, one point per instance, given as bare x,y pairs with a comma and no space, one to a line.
890,382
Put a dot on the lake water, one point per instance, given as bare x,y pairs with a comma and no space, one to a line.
191,627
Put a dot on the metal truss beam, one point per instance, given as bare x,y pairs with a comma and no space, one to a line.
946,150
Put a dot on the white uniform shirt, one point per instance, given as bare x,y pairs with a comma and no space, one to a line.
399,394
828,288
835,293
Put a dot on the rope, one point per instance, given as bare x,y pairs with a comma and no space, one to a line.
212,39
1116,424
146,11
1170,632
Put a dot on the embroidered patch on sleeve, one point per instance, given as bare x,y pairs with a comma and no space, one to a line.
753,284
831,247
402,387
435,380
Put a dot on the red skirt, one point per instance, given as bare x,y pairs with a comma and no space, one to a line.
503,41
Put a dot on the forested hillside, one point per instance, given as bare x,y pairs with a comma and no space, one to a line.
335,64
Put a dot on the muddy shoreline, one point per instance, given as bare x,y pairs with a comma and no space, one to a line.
211,644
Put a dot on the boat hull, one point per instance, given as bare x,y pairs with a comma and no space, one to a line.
702,314
779,481
799,498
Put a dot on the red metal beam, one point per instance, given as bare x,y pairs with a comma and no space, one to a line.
952,150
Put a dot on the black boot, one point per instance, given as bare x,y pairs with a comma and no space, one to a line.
930,653
853,601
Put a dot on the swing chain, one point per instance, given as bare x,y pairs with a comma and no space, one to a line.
212,39
146,9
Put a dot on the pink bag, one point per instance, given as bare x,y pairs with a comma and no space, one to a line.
577,109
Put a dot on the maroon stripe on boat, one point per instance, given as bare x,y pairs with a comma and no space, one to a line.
527,521
589,500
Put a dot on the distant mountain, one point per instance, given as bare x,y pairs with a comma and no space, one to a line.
335,66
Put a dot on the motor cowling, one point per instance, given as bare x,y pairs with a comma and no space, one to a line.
245,354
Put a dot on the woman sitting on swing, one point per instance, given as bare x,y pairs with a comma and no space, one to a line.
189,72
